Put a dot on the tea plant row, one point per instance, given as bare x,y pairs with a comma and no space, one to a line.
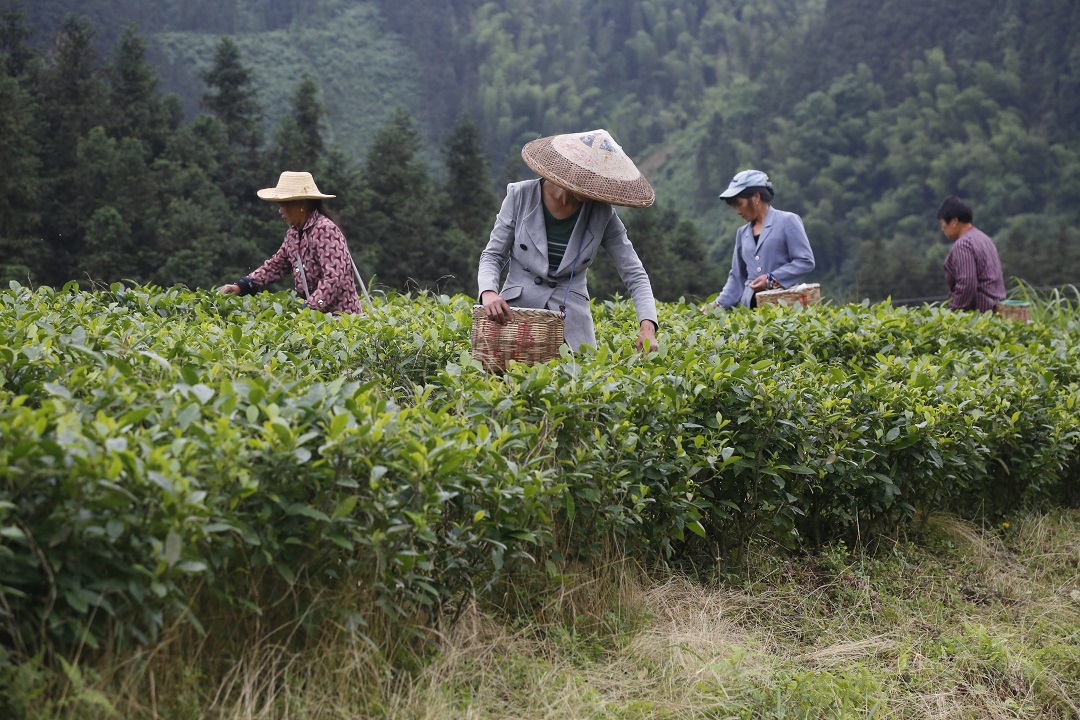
159,443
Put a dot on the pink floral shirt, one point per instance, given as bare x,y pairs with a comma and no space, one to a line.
321,250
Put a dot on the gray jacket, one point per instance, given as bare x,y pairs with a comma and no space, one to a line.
520,239
782,249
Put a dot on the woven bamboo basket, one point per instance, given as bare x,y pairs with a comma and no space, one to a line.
1015,310
802,294
532,336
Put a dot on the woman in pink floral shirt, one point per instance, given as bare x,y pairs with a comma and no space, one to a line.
314,250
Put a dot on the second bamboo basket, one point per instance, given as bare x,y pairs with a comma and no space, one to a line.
802,294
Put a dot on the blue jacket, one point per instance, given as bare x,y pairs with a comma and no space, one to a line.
520,239
782,249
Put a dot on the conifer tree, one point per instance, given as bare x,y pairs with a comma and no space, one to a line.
470,203
398,208
108,255
20,132
299,140
136,109
469,207
20,184
73,102
15,33
231,96
715,163
201,240
73,91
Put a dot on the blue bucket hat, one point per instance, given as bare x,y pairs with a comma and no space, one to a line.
746,179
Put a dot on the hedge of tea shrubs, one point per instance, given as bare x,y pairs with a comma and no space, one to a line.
154,442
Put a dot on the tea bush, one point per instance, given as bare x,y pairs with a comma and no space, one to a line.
157,441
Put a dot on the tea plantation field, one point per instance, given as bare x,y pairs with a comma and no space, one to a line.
173,459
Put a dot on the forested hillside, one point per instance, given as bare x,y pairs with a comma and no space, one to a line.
865,114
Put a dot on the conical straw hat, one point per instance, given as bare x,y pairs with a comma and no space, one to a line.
293,186
590,164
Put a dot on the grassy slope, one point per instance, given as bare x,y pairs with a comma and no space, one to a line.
963,622
957,622
364,71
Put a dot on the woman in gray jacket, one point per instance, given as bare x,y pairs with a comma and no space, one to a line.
771,249
549,231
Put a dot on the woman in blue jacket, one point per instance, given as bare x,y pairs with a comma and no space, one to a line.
771,249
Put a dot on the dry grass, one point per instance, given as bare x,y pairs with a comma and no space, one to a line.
966,622
488,671
963,626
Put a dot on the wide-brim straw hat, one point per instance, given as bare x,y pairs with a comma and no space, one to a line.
293,186
590,164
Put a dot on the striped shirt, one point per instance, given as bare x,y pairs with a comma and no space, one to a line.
973,272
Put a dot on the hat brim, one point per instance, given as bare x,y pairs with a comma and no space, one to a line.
731,192
548,163
276,195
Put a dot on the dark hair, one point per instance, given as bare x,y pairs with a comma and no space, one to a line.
311,205
766,194
954,207
320,205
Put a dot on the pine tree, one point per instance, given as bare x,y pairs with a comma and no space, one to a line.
715,163
469,207
116,173
20,184
201,241
398,212
18,56
299,140
73,102
231,96
108,255
136,109
470,203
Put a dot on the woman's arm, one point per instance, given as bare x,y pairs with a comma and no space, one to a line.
278,266
493,257
630,270
798,249
731,295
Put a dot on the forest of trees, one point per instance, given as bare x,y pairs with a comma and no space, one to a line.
109,182
864,112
